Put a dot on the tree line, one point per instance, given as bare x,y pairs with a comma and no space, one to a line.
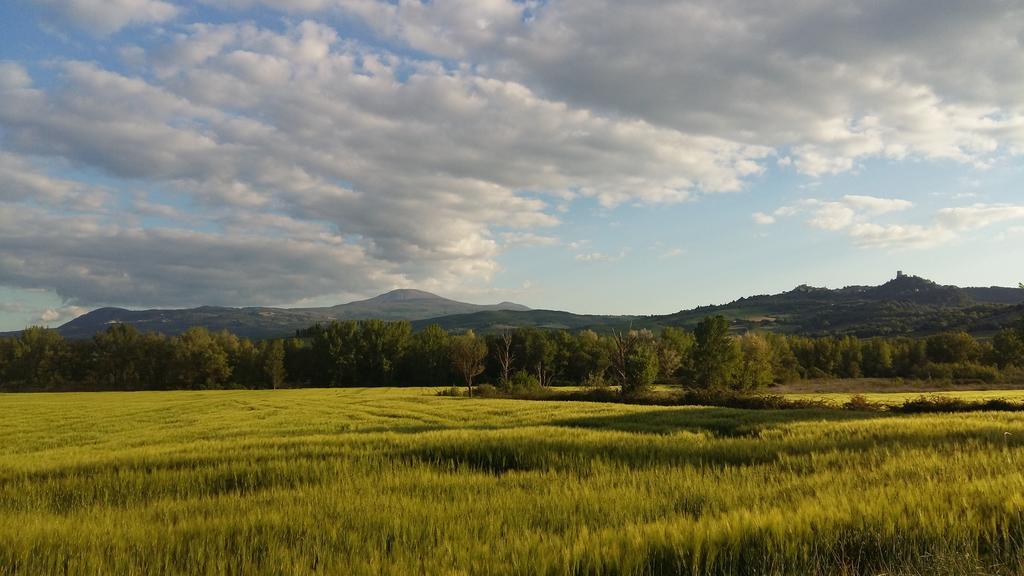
379,353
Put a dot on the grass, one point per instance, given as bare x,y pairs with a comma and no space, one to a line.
896,398
402,481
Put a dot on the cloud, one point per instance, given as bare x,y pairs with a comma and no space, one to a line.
979,216
832,85
104,17
409,162
470,126
851,215
671,253
866,234
842,214
832,216
875,205
90,260
21,180
763,219
12,307
56,316
600,257
528,239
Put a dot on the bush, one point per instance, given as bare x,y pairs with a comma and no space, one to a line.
927,404
976,372
860,403
452,391
486,391
595,380
523,382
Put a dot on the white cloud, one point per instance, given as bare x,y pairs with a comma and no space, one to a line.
875,205
90,260
600,257
763,219
414,163
528,239
56,316
671,253
836,85
867,234
103,17
21,180
832,216
851,216
510,111
979,215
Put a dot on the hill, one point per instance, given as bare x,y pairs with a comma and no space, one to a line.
905,305
259,322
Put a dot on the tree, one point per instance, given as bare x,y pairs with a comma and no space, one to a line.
591,358
380,346
951,348
756,365
39,358
851,357
6,358
468,353
537,352
1008,348
117,356
272,363
715,355
334,353
505,357
878,358
675,353
427,361
634,359
785,365
199,361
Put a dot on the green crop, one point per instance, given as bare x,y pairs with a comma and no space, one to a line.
401,481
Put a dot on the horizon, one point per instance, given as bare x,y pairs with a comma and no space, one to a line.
565,156
899,274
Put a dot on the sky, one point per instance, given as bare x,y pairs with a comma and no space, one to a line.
595,156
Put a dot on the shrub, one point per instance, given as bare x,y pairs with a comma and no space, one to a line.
522,382
860,402
976,372
486,391
595,380
925,404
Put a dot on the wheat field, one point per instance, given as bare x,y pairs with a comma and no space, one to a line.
402,481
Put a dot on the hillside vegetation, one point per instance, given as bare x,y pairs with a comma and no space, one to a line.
906,305
392,481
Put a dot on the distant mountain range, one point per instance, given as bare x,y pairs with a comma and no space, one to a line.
906,305
261,322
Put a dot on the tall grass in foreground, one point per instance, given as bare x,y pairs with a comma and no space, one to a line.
403,482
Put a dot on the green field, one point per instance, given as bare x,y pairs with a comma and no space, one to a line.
400,481
893,398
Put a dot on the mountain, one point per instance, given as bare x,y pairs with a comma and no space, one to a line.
410,305
259,322
905,305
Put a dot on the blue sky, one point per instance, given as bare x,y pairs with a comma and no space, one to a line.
592,156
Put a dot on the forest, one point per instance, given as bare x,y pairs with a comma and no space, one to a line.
380,353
